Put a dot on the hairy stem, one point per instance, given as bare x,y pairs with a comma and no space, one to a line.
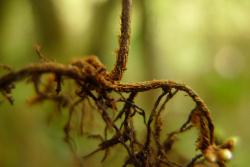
124,40
34,69
80,75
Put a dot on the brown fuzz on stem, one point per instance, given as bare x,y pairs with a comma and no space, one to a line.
124,40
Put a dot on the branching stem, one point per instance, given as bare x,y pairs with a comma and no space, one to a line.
94,81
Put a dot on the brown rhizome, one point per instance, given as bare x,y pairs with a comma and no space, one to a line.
94,84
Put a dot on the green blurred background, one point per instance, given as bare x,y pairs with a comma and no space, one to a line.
205,44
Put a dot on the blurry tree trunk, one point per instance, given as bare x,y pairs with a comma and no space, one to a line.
99,28
145,37
47,23
2,15
2,12
147,43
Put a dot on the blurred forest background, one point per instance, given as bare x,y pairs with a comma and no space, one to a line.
205,44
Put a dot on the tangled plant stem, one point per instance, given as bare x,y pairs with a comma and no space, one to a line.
94,83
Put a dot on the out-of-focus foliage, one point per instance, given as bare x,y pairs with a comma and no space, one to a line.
202,43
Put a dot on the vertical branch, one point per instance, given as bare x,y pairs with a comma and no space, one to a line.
124,40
